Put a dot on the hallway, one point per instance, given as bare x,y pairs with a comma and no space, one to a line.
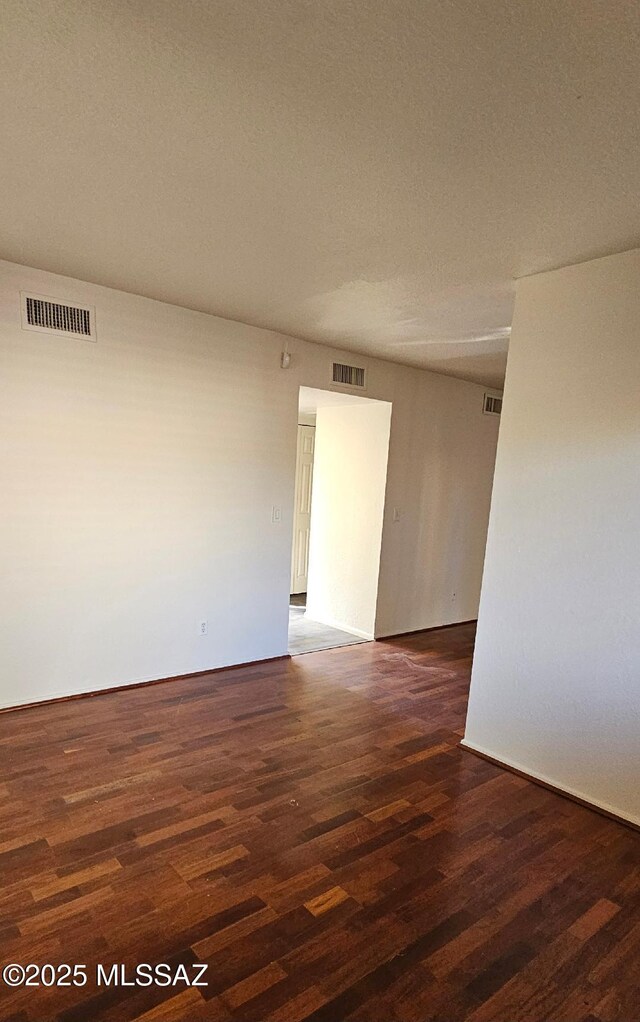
306,636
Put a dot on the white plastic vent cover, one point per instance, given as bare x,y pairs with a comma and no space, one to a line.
349,376
47,315
492,404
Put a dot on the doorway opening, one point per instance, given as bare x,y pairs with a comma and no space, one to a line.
341,471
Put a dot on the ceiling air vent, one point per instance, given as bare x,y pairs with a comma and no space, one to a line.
49,316
349,376
492,404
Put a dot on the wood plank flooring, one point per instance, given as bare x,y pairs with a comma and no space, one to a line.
310,831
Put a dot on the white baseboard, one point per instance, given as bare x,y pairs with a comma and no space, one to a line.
606,807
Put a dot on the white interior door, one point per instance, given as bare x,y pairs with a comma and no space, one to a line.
302,509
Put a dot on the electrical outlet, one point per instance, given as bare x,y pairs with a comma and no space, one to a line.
203,628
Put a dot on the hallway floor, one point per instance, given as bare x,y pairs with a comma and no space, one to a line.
306,636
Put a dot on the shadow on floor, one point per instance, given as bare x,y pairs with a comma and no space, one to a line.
306,636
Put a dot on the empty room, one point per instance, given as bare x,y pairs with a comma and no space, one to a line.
319,511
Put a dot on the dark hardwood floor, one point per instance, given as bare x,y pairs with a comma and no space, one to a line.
311,831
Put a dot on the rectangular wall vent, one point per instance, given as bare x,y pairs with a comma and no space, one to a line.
349,376
52,317
492,404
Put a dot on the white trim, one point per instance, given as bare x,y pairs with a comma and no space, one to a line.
606,806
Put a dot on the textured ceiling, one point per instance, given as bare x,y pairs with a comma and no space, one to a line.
368,172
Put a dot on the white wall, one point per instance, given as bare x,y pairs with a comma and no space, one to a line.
349,479
441,462
137,478
556,677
